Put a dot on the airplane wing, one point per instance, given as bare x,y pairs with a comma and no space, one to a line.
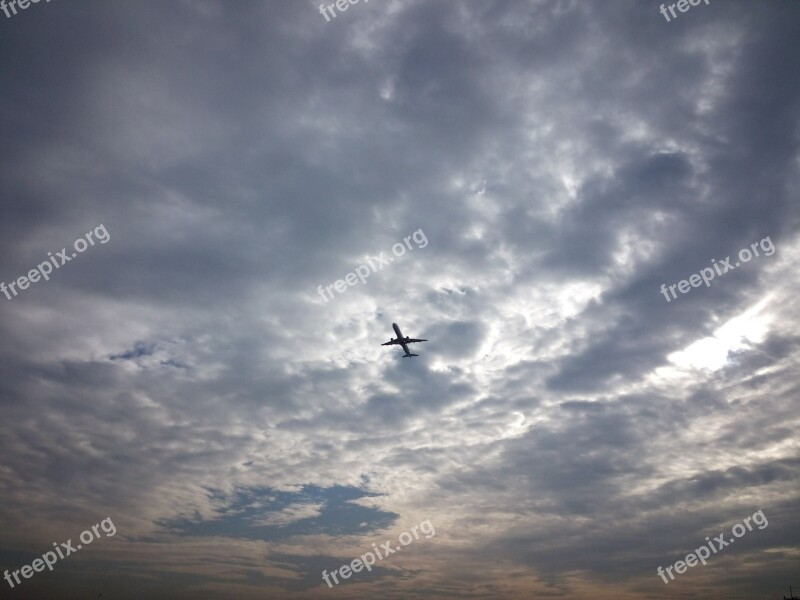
412,341
391,343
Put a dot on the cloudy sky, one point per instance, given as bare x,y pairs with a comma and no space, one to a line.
569,427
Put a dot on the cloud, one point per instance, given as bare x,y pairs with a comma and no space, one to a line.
565,428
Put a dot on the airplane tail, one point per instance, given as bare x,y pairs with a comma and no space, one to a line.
407,355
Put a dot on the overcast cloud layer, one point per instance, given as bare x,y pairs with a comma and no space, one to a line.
566,430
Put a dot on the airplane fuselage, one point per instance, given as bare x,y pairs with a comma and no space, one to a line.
400,339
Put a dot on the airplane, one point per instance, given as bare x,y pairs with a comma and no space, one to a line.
402,341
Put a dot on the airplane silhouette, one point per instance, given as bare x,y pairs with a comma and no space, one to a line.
402,341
